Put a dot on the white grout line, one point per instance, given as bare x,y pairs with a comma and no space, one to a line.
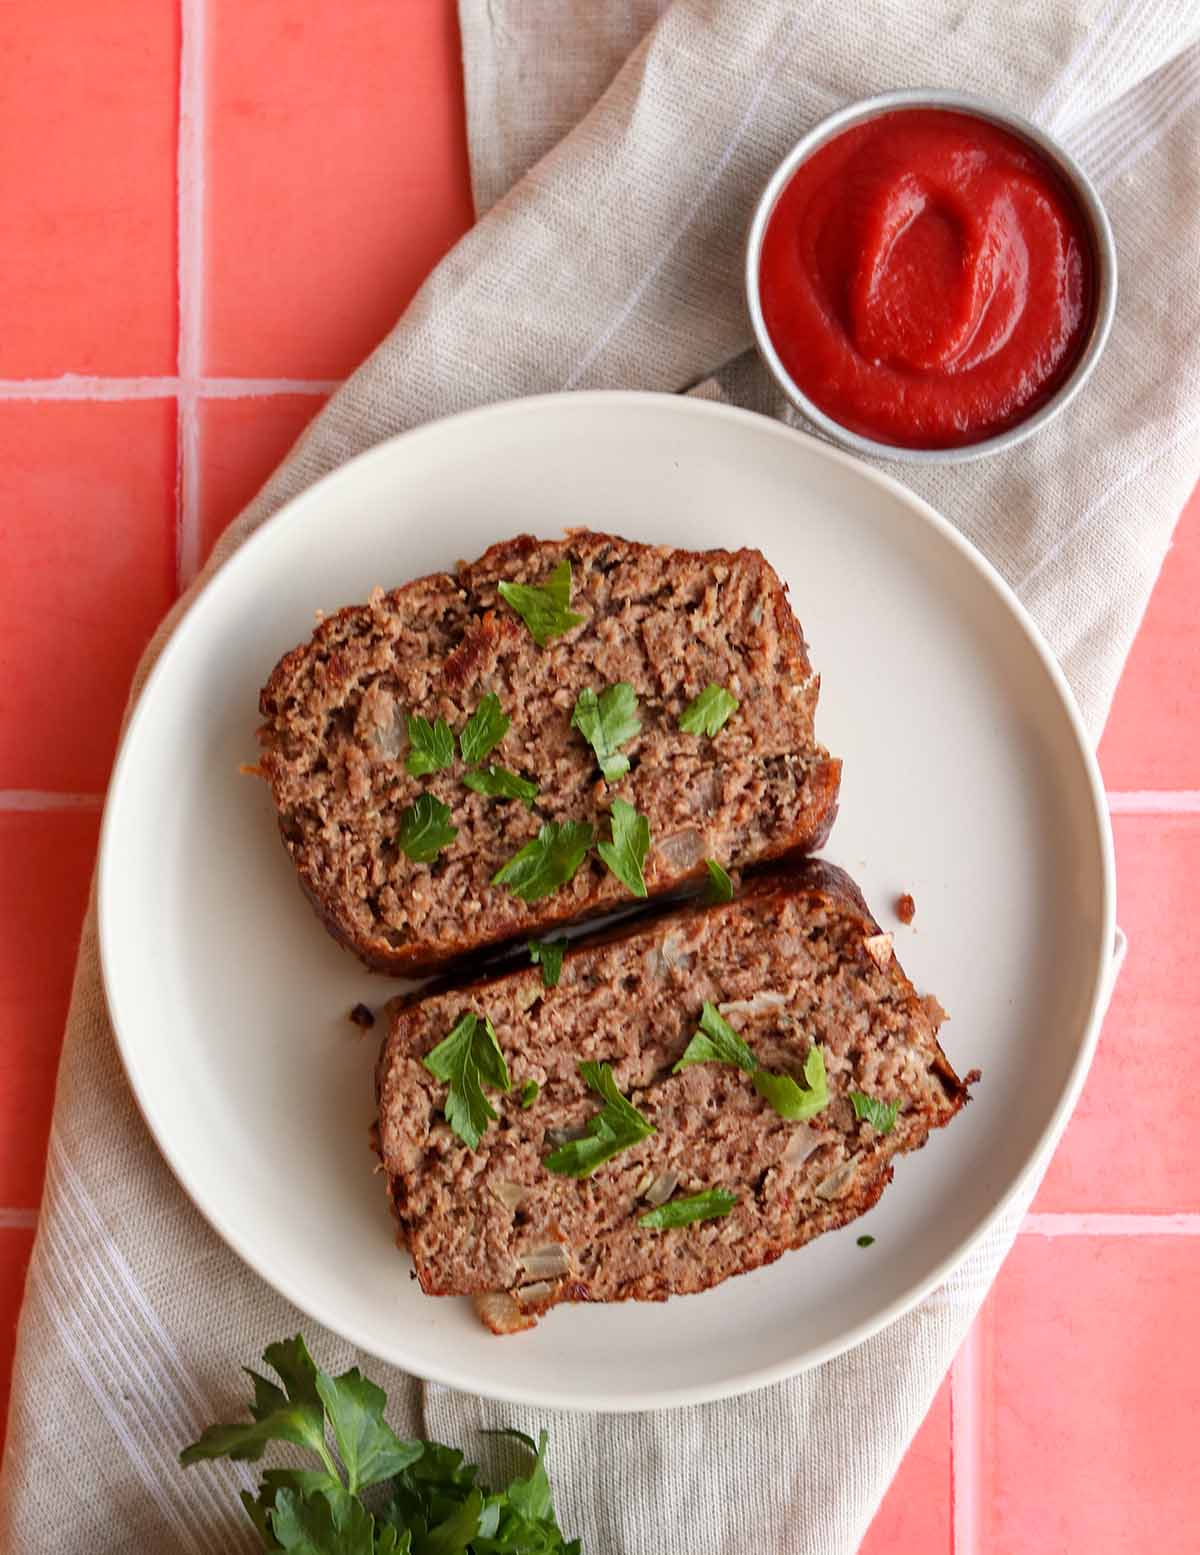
18,1219
190,175
40,799
1156,801
966,1404
73,386
255,388
1101,1225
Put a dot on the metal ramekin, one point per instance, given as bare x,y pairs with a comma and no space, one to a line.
1104,258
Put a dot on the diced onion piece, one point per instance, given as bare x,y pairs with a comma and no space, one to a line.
766,999
510,1194
530,1295
838,1181
802,1145
682,850
498,1311
661,1189
547,1262
879,948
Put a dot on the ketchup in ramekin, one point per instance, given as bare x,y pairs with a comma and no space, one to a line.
927,279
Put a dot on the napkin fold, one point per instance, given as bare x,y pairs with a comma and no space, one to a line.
618,154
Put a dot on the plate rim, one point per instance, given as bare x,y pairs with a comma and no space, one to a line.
759,1377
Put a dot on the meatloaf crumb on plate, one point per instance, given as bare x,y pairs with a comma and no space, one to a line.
668,623
795,963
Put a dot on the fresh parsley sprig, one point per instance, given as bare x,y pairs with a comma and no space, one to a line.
425,829
500,783
432,746
606,721
709,1205
434,1505
548,954
708,712
625,854
546,862
881,1115
544,607
616,1127
464,1061
484,730
718,1043
720,886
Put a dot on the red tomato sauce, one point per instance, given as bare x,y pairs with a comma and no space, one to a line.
927,279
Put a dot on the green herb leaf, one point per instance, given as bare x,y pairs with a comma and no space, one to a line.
881,1115
606,722
865,1241
708,712
500,783
716,1043
547,862
432,746
425,829
529,1094
616,1127
468,1056
484,730
709,1205
322,1525
368,1447
293,1416
548,954
720,886
625,855
790,1100
543,607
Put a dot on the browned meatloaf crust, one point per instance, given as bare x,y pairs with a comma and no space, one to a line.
668,622
796,960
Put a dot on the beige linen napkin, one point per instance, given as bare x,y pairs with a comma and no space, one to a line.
614,262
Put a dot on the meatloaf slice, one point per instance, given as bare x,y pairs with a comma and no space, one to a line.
795,962
668,623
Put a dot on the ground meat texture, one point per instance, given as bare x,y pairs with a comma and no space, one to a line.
668,622
788,964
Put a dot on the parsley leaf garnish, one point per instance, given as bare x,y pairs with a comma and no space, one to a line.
708,712
607,721
529,1094
543,607
484,730
425,829
436,1506
548,861
616,1127
792,1101
432,746
468,1055
625,855
500,783
865,1241
716,1043
548,954
709,1205
720,886
881,1115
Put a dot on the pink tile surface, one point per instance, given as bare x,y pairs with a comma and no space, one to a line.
337,176
1153,735
1089,1419
88,574
241,442
43,892
87,187
915,1518
1131,1146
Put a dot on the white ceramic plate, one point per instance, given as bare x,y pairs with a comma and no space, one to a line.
967,782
